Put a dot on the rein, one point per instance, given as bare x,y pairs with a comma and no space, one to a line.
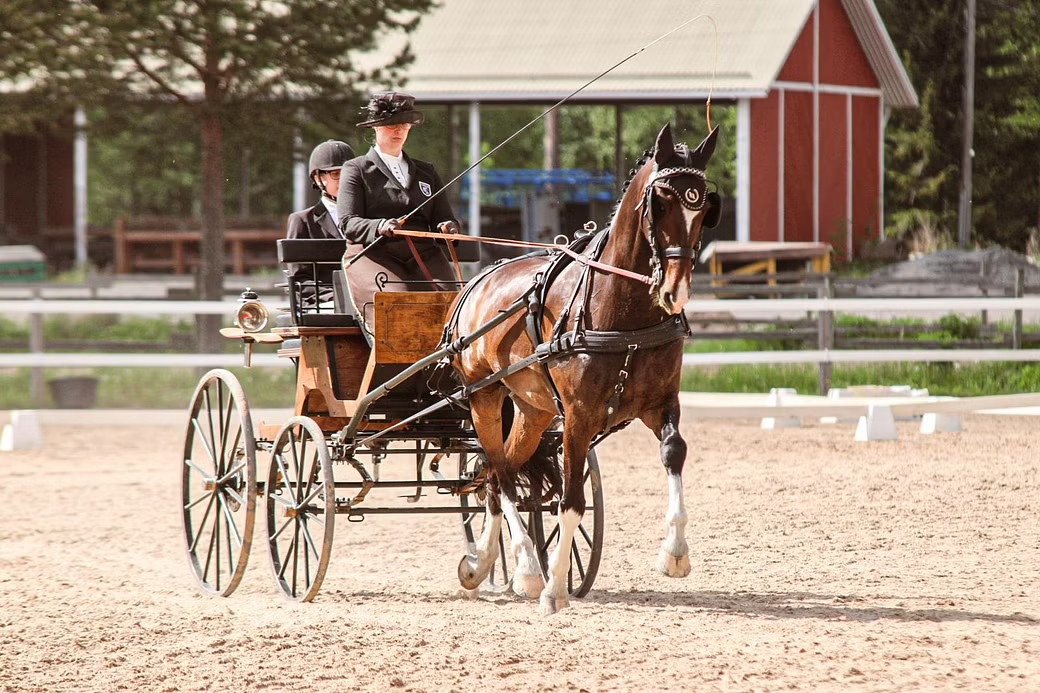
578,257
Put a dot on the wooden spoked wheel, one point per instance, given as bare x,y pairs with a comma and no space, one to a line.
587,548
218,483
301,508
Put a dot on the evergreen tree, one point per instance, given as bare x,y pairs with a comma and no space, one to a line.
214,59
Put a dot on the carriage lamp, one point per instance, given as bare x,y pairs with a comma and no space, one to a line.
252,315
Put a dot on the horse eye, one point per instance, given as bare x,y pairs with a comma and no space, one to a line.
657,204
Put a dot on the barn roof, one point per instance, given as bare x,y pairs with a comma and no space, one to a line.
529,50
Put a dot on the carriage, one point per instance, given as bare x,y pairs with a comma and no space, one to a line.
469,392
369,435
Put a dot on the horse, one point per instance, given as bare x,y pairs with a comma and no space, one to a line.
592,334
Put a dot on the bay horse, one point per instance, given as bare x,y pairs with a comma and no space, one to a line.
593,345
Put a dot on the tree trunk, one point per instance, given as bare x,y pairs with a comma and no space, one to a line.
210,277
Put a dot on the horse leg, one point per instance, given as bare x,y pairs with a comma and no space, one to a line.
572,508
524,438
674,558
486,411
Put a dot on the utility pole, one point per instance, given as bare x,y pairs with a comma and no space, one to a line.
967,151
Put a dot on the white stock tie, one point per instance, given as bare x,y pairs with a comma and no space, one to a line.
399,174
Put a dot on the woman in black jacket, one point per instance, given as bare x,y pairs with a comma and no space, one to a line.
376,191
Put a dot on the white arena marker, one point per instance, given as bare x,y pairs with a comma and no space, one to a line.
940,423
23,432
878,424
776,397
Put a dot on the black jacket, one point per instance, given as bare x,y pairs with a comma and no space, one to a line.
369,194
314,222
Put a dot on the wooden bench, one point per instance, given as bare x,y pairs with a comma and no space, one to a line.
739,260
177,250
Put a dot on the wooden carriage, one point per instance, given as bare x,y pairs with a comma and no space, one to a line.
360,400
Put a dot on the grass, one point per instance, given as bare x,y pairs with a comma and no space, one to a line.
171,388
939,378
152,388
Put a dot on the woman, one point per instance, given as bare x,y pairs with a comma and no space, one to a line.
376,192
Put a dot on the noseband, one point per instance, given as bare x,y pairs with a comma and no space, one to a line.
688,184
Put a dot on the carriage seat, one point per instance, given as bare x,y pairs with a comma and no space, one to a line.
317,289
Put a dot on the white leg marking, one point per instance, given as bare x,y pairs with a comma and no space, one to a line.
674,557
555,595
473,571
527,578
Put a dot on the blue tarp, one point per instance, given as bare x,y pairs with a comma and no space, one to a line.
507,187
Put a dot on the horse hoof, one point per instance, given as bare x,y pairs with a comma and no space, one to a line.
468,577
470,595
529,586
673,566
549,604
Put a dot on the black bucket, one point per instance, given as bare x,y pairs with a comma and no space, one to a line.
74,392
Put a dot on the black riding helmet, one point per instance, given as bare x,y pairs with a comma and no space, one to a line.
329,155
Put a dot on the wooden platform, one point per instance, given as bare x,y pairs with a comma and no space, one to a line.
177,250
739,260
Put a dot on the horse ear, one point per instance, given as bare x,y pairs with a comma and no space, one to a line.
702,154
665,148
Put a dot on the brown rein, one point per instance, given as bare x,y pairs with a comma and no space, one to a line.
595,264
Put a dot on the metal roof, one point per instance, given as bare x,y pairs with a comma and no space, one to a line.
531,50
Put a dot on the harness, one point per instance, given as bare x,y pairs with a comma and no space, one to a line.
587,249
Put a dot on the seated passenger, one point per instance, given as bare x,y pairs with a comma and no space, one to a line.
320,221
378,189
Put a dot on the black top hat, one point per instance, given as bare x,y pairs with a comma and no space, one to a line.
391,108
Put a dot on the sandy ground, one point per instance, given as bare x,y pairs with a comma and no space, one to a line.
819,564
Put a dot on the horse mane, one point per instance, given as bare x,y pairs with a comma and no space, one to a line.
643,158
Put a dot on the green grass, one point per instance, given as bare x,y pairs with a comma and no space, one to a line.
149,388
940,378
102,327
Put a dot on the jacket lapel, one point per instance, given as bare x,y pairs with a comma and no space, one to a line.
324,219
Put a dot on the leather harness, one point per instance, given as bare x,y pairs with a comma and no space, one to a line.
580,339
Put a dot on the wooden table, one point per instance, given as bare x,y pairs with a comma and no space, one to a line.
740,259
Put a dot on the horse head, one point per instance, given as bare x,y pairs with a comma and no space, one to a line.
676,206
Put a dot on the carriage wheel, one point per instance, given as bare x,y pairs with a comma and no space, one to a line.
502,572
301,508
588,539
218,483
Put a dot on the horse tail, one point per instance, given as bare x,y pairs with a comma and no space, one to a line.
541,474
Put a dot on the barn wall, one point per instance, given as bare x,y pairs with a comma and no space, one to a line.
59,183
38,188
834,171
799,64
798,166
842,60
21,176
866,166
764,165
816,121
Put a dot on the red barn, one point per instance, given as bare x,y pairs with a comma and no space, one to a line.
812,81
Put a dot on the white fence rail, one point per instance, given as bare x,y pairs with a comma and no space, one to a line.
36,308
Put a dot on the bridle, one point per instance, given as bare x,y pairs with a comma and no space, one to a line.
688,185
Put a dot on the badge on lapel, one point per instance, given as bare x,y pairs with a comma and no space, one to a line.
425,188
